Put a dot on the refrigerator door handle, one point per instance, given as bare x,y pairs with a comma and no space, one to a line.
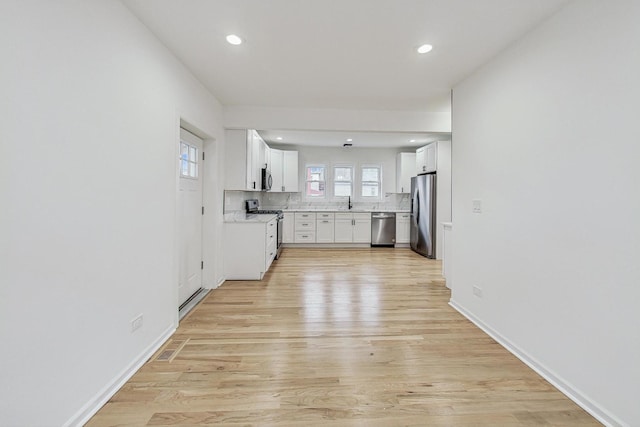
417,207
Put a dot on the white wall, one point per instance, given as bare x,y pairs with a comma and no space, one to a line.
547,136
90,105
242,117
443,193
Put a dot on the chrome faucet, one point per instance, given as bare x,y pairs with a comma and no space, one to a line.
350,205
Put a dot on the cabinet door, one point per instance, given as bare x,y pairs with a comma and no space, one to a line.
421,160
276,170
402,228
288,225
251,154
255,160
343,230
235,166
431,154
405,169
267,156
362,230
324,230
290,171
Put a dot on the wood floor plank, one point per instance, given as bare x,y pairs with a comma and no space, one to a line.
337,337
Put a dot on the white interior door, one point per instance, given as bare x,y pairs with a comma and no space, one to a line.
190,215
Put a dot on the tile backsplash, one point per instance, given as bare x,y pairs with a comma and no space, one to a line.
234,201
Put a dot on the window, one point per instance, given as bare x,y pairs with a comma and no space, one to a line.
342,181
371,181
315,181
188,160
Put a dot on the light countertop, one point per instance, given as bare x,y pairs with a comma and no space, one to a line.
345,210
242,216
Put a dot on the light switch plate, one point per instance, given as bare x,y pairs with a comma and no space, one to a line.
476,206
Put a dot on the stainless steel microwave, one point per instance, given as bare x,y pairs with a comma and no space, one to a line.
267,180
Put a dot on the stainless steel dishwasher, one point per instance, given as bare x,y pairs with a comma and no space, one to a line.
383,228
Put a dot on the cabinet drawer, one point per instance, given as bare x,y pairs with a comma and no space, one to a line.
305,237
305,216
305,225
272,230
270,255
324,215
271,249
403,216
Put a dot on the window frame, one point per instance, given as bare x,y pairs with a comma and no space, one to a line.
190,161
363,182
323,182
334,181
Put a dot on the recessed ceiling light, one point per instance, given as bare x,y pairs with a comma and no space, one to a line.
233,39
425,48
349,139
412,140
279,138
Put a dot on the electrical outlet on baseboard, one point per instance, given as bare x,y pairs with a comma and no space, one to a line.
477,291
136,322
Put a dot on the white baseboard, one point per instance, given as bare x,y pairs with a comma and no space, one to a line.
601,414
103,396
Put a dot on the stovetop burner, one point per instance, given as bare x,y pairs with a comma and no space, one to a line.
252,208
270,212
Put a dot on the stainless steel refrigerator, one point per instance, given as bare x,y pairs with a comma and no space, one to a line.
423,215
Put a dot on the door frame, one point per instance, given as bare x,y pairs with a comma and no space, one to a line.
211,183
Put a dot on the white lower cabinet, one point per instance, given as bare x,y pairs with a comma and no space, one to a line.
288,227
352,227
362,228
343,229
305,227
402,227
250,248
324,227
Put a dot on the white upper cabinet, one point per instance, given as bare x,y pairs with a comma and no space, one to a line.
238,160
290,171
246,154
405,169
276,169
426,158
284,170
258,160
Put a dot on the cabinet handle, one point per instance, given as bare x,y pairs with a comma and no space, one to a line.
283,188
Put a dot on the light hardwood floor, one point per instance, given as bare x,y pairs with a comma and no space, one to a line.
339,337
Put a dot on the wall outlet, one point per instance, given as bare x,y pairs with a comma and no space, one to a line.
476,206
477,291
136,323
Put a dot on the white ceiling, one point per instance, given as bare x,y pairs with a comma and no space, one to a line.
338,54
359,139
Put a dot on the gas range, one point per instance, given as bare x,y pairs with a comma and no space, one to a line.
270,212
252,208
